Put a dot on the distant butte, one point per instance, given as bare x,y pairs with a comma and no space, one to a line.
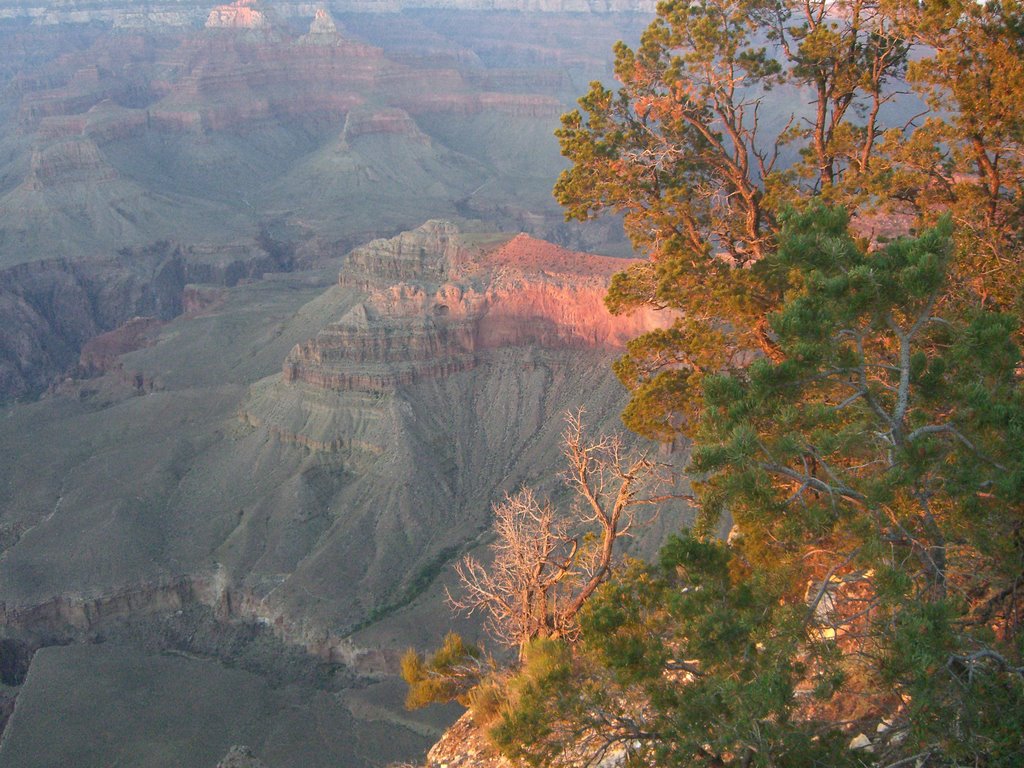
243,14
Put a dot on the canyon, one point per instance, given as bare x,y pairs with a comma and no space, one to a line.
270,138
285,307
292,464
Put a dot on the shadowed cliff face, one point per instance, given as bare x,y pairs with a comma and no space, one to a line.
59,314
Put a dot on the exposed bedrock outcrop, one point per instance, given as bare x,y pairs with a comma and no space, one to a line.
238,74
65,162
100,353
103,122
50,309
323,23
237,83
465,745
427,253
243,14
457,298
363,121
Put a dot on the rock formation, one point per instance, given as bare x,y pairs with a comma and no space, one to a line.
67,162
465,746
55,313
445,359
363,121
242,14
305,512
449,301
177,13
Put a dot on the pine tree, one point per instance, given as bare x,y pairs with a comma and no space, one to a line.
875,473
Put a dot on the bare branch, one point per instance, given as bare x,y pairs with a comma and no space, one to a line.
540,574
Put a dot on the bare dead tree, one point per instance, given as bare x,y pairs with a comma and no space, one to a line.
547,563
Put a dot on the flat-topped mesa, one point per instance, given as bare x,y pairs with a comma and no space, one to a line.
457,300
243,14
368,121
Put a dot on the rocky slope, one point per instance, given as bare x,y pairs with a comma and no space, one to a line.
255,464
463,745
325,128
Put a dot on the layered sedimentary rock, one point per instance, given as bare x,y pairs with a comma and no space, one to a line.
346,132
426,253
55,313
243,14
66,162
217,80
456,298
383,120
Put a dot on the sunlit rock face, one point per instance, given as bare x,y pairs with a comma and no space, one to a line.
455,300
243,14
